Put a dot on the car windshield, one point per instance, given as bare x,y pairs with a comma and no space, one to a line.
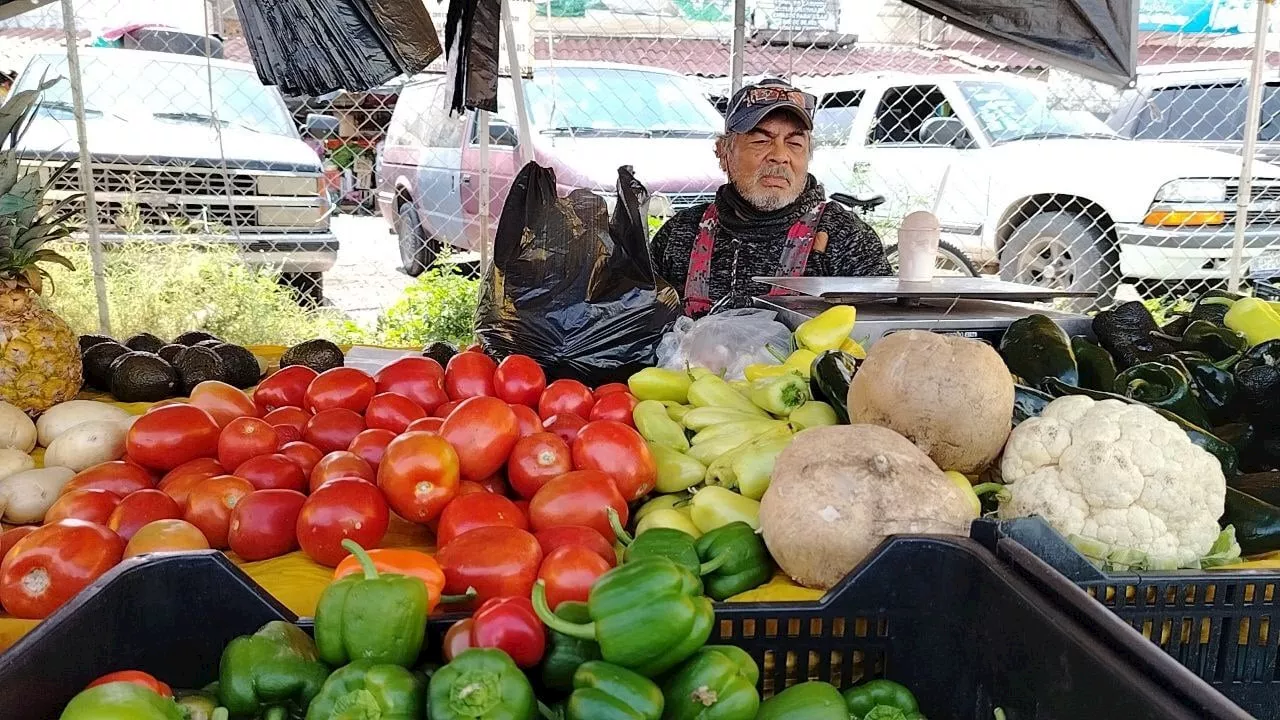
614,101
139,86
1009,111
1210,112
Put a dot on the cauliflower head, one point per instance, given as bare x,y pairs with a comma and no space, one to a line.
1116,473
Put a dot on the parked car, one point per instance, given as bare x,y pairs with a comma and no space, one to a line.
190,146
1049,197
586,120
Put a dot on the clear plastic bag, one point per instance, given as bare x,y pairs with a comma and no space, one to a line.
726,342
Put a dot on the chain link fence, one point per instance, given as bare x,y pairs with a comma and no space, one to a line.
216,197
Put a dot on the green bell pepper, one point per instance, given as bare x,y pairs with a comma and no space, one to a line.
273,672
862,699
670,543
371,617
647,615
200,706
120,701
811,700
734,560
564,653
480,684
367,689
1213,387
1162,386
602,691
717,683
1096,367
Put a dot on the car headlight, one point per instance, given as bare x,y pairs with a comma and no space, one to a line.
287,185
1193,190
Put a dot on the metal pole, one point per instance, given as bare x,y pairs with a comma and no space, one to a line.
1252,123
86,172
484,190
517,84
739,45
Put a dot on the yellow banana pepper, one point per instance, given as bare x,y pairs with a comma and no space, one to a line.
828,330
763,370
800,361
854,348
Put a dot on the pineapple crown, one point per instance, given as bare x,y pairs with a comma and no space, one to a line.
25,224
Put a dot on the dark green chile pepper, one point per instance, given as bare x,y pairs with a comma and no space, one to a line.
1096,366
1257,523
1028,402
1162,386
1212,339
1130,334
1264,486
1264,353
1035,348
829,378
1259,389
1209,311
1214,388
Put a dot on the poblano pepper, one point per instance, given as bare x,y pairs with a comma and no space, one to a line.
602,691
1214,388
367,689
811,700
862,699
1214,340
274,672
565,653
371,617
734,560
120,701
1035,348
717,683
647,615
1267,353
480,684
829,379
1252,317
1097,369
1162,386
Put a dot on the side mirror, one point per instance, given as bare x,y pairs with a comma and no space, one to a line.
948,131
501,134
321,127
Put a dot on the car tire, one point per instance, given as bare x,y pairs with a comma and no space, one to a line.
308,288
417,253
1064,251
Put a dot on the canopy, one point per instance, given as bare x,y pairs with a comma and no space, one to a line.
11,8
1096,38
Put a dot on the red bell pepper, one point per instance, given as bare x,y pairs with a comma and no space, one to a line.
509,624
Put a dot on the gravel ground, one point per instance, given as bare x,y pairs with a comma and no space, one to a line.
367,277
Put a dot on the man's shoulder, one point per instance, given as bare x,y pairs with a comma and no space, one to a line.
689,217
836,218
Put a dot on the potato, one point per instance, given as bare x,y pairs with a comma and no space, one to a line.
951,396
87,444
16,429
838,491
26,496
14,461
64,416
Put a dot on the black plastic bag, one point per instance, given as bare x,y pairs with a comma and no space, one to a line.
471,35
571,286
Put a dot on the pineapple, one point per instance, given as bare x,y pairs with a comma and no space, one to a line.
39,353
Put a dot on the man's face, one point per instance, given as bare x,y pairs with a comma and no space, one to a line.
770,164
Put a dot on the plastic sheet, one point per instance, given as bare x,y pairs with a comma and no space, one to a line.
471,35
571,286
725,343
313,47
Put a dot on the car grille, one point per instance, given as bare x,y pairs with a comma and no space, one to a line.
1260,191
169,181
211,217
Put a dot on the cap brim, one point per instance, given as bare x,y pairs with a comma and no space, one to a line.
747,119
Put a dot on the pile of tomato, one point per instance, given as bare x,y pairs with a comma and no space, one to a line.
509,471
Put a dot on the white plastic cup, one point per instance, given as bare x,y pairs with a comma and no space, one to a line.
918,238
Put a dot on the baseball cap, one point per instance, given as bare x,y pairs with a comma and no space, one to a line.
752,103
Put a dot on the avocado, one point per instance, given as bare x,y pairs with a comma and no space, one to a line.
142,377
241,366
97,364
440,351
197,364
144,342
170,352
191,337
88,341
209,343
319,355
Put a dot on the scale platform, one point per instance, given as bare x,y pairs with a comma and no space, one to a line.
971,307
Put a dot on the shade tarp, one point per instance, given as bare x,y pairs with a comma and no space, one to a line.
13,8
1096,38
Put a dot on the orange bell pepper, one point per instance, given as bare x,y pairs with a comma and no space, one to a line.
401,561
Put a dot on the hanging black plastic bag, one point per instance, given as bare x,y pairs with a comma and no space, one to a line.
471,33
571,286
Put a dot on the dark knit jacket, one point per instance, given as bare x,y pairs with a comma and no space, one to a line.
750,244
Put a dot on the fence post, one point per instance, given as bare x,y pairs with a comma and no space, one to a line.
483,130
1252,122
738,48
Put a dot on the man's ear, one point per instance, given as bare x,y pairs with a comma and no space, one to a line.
722,152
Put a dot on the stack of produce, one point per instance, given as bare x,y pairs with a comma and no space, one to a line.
146,369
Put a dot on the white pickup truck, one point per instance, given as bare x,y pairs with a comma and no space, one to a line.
1048,196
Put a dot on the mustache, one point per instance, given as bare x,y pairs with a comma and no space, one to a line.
776,171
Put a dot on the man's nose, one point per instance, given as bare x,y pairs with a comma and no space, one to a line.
778,153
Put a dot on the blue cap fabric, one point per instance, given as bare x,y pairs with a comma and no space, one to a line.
752,103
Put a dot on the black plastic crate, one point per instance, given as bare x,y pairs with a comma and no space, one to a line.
1218,623
941,615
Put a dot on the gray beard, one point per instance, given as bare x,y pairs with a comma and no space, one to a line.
768,200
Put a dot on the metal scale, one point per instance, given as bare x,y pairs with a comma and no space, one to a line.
979,308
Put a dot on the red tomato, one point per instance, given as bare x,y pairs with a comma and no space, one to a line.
223,402
466,487
264,524
10,537
117,476
474,347
528,419
566,425
578,498
140,508
609,389
210,504
289,416
419,474
565,396
510,625
616,407
371,445
426,424
498,561
137,677
536,459
306,455
341,464
482,430
245,438
569,572
519,380
495,484
445,409
418,378
561,535
523,505
166,437
392,411
287,434
284,388
271,472
178,482
468,375
46,568
334,429
477,510
93,506
456,639
344,508
340,387
619,452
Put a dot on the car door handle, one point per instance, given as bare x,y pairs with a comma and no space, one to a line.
466,179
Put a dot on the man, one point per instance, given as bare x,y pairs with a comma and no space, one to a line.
771,218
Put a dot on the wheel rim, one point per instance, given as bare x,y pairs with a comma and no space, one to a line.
1046,262
408,253
943,265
